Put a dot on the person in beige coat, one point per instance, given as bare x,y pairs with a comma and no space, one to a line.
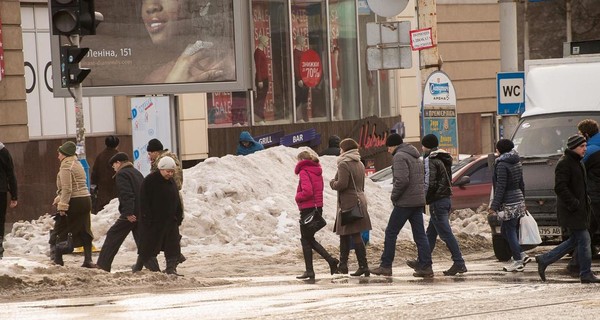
349,182
73,205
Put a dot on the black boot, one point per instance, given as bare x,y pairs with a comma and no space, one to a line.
361,256
1,247
172,266
58,254
333,262
87,257
52,251
344,253
138,266
308,260
152,264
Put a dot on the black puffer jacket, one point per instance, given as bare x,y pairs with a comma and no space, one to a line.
592,166
507,180
572,207
8,181
438,170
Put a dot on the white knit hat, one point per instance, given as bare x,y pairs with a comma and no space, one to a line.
166,163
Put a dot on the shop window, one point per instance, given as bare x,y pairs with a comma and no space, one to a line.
344,60
227,108
271,62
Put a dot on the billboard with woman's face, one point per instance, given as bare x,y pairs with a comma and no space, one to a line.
164,46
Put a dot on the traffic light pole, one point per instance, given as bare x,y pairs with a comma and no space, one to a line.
78,96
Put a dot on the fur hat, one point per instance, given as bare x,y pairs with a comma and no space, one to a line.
121,157
166,163
348,144
393,140
111,141
68,148
430,141
154,145
504,145
575,141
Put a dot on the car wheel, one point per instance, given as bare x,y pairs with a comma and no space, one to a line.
501,248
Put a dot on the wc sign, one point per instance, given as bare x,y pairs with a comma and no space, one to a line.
511,93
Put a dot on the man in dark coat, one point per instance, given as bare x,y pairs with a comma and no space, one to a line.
334,147
8,183
408,198
102,175
573,211
161,216
438,192
128,181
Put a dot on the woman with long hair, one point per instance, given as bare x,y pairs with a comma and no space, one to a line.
349,182
309,197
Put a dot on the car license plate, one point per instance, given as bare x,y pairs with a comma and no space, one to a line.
550,231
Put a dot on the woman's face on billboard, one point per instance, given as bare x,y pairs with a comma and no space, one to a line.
163,19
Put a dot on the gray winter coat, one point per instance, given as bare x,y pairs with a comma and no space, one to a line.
409,177
507,180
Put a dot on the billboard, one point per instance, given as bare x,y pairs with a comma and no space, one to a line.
164,47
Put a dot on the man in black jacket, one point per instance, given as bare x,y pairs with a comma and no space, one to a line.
8,183
573,211
128,181
438,190
161,216
333,147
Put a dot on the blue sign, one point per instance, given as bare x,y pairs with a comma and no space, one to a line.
299,137
511,93
270,139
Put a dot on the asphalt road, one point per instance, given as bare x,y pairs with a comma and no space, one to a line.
484,292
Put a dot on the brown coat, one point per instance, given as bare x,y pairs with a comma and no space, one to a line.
348,196
102,176
71,182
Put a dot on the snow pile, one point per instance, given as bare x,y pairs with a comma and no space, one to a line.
242,204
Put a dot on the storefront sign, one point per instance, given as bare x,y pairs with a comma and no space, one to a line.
1,54
439,111
270,139
296,138
370,133
311,68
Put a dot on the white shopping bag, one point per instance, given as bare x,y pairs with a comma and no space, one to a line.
529,234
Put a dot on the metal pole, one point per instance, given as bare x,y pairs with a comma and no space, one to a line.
508,53
569,11
526,33
79,123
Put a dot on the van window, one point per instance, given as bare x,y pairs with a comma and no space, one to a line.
546,135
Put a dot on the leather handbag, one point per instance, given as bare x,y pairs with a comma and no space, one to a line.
65,247
355,213
313,221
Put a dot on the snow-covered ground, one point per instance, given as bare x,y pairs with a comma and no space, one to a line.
239,211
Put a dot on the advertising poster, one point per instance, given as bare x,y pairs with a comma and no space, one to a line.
150,119
219,108
161,42
301,44
263,63
439,111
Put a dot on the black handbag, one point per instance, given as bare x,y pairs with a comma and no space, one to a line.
313,221
65,247
355,213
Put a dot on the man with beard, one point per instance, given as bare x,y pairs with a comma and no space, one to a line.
161,216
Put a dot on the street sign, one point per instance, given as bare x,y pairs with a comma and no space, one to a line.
511,93
421,39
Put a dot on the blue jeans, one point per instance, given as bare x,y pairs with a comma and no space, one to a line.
579,239
508,229
440,225
398,218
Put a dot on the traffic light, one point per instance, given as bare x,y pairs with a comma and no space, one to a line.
70,72
71,17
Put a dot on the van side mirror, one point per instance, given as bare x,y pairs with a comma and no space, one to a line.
464,180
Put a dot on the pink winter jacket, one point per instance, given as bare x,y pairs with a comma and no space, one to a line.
309,193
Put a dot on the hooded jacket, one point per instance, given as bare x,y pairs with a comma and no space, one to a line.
309,193
333,148
507,180
438,175
253,147
408,173
8,180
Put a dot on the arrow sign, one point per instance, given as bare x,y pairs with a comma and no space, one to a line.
511,93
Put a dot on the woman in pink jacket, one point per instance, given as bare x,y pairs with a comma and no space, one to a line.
309,196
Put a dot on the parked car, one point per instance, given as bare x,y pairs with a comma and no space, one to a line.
471,181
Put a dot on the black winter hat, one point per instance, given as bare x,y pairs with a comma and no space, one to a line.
430,141
504,145
111,141
120,156
575,141
154,145
393,140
